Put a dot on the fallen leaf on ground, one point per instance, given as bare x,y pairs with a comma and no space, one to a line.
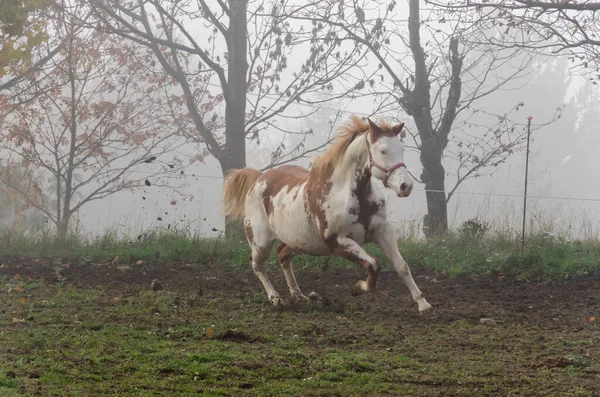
487,321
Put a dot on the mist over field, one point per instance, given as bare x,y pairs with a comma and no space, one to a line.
305,74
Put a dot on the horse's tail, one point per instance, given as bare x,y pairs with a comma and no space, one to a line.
237,184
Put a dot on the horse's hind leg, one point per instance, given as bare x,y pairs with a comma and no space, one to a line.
285,254
261,243
259,257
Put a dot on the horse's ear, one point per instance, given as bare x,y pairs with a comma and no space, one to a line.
398,129
375,130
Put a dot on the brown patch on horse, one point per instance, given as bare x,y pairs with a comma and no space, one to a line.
249,233
318,187
279,178
366,208
284,252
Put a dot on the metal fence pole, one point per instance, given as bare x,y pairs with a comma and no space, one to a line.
526,175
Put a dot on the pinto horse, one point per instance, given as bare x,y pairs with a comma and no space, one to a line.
334,208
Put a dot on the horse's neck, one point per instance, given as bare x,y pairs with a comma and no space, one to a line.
353,172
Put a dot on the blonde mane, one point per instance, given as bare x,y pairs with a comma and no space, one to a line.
345,135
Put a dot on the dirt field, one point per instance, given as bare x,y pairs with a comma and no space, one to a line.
99,329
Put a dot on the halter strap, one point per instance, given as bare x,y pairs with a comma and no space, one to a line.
386,171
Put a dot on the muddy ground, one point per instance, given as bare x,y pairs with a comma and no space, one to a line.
544,338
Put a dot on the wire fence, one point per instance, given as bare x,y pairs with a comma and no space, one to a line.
570,216
130,213
460,192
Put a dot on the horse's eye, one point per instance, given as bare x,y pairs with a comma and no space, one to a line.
383,151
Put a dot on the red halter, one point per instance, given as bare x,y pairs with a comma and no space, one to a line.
386,171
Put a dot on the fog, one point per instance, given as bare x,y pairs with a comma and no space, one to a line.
564,193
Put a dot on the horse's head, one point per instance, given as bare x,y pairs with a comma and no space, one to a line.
386,158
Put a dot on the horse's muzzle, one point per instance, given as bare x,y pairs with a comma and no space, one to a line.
405,190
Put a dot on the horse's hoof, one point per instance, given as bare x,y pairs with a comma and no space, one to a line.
298,297
359,288
315,297
277,301
423,306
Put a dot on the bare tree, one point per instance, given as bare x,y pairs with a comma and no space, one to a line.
252,60
556,27
100,127
436,76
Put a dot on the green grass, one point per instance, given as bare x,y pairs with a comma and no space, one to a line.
468,253
79,341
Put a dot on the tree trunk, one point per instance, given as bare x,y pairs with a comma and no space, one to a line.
62,228
417,104
436,220
234,155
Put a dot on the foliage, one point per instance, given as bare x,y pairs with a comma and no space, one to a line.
18,211
247,55
474,228
100,122
22,30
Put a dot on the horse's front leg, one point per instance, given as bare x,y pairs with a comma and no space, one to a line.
351,250
385,237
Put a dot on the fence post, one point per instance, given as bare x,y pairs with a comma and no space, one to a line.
526,174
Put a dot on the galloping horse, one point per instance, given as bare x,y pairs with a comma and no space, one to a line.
334,208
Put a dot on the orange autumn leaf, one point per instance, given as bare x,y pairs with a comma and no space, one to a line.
592,319
209,332
22,300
